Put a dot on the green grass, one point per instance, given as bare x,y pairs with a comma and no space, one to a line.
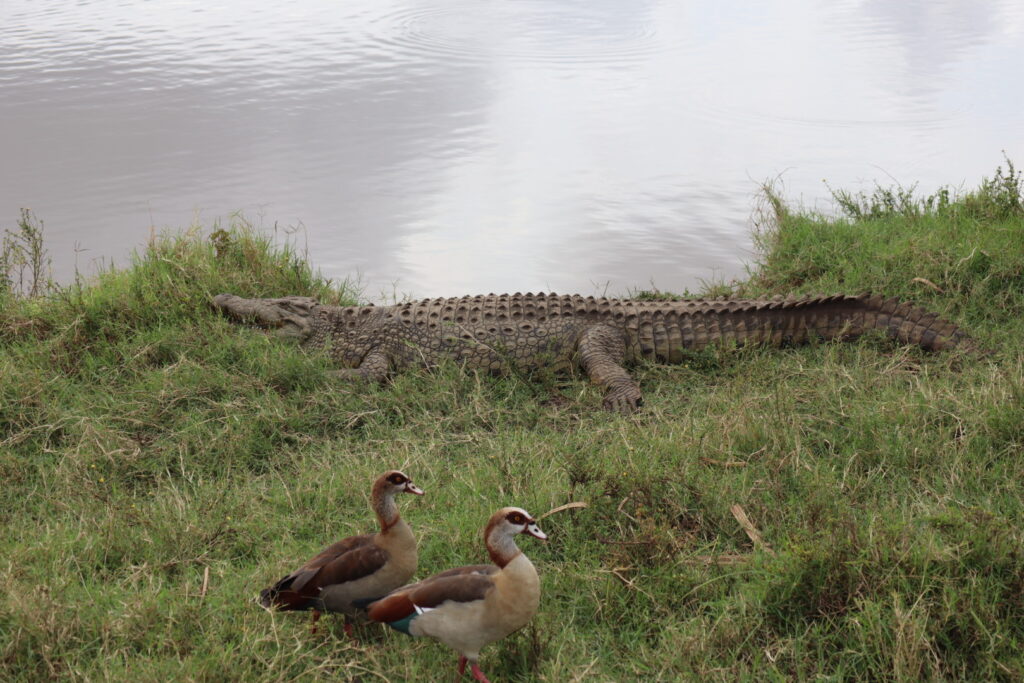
149,448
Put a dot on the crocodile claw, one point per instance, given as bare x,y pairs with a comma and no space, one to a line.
625,401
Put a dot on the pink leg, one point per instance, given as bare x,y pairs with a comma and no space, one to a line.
462,668
477,673
312,624
348,629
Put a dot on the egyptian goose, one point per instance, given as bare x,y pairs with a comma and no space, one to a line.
356,570
469,607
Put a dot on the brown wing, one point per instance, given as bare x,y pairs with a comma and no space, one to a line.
484,569
350,566
335,549
347,560
457,588
454,585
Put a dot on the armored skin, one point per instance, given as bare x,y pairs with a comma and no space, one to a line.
496,332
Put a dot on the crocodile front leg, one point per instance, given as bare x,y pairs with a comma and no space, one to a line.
373,368
602,349
290,316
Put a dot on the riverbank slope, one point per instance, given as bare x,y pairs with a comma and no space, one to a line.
160,466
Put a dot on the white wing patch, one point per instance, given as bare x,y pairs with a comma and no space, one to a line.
422,610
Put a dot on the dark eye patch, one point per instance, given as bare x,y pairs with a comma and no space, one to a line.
516,518
396,479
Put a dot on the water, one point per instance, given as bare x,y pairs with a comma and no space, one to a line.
449,147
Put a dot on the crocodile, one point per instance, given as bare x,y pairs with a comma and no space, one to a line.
495,333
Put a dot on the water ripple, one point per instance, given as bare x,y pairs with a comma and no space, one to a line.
523,144
543,34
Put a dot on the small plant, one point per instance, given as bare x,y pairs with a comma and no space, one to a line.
24,263
998,197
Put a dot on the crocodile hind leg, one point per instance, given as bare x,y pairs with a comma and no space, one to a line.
602,349
290,316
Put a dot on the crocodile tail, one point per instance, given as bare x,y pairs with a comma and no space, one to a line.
847,317
910,324
693,325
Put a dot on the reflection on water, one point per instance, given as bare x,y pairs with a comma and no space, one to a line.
450,147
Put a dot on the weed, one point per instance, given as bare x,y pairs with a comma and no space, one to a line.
24,263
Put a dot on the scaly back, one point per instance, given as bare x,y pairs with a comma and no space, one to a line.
660,330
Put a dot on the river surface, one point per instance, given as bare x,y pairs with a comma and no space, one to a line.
445,147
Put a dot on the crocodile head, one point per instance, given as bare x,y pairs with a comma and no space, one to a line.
287,317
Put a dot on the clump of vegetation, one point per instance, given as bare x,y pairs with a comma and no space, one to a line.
997,198
24,264
160,466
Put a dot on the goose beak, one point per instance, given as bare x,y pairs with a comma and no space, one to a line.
413,488
534,530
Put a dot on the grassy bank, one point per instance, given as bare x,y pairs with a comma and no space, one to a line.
160,466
